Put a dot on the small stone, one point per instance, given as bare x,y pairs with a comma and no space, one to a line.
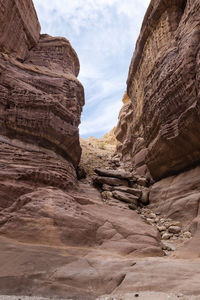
106,187
157,220
142,182
162,221
187,235
174,229
176,223
132,206
170,223
180,295
106,195
152,215
81,173
150,220
145,197
166,236
168,246
161,228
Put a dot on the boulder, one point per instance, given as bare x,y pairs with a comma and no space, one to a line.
174,229
135,192
106,187
125,197
145,197
100,180
114,173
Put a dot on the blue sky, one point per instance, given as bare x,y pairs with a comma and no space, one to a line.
103,33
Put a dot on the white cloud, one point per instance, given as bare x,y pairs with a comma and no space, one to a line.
100,122
103,33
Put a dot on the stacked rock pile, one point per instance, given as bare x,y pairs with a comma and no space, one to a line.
125,190
172,232
122,188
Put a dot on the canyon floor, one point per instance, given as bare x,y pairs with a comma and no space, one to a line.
60,272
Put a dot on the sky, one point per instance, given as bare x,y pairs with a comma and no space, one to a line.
103,33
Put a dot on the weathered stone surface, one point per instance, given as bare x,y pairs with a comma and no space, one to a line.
159,126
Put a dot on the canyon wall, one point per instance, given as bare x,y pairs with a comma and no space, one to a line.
163,87
41,103
159,126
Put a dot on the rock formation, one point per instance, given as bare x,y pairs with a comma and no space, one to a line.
57,237
158,127
60,237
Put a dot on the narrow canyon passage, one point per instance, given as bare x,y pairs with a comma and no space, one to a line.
111,218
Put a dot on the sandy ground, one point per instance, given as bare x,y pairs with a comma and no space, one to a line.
149,296
132,296
27,298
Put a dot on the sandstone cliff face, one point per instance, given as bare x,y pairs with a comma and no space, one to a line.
163,86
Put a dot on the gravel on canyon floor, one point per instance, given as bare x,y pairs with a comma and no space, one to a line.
129,296
2,297
150,296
